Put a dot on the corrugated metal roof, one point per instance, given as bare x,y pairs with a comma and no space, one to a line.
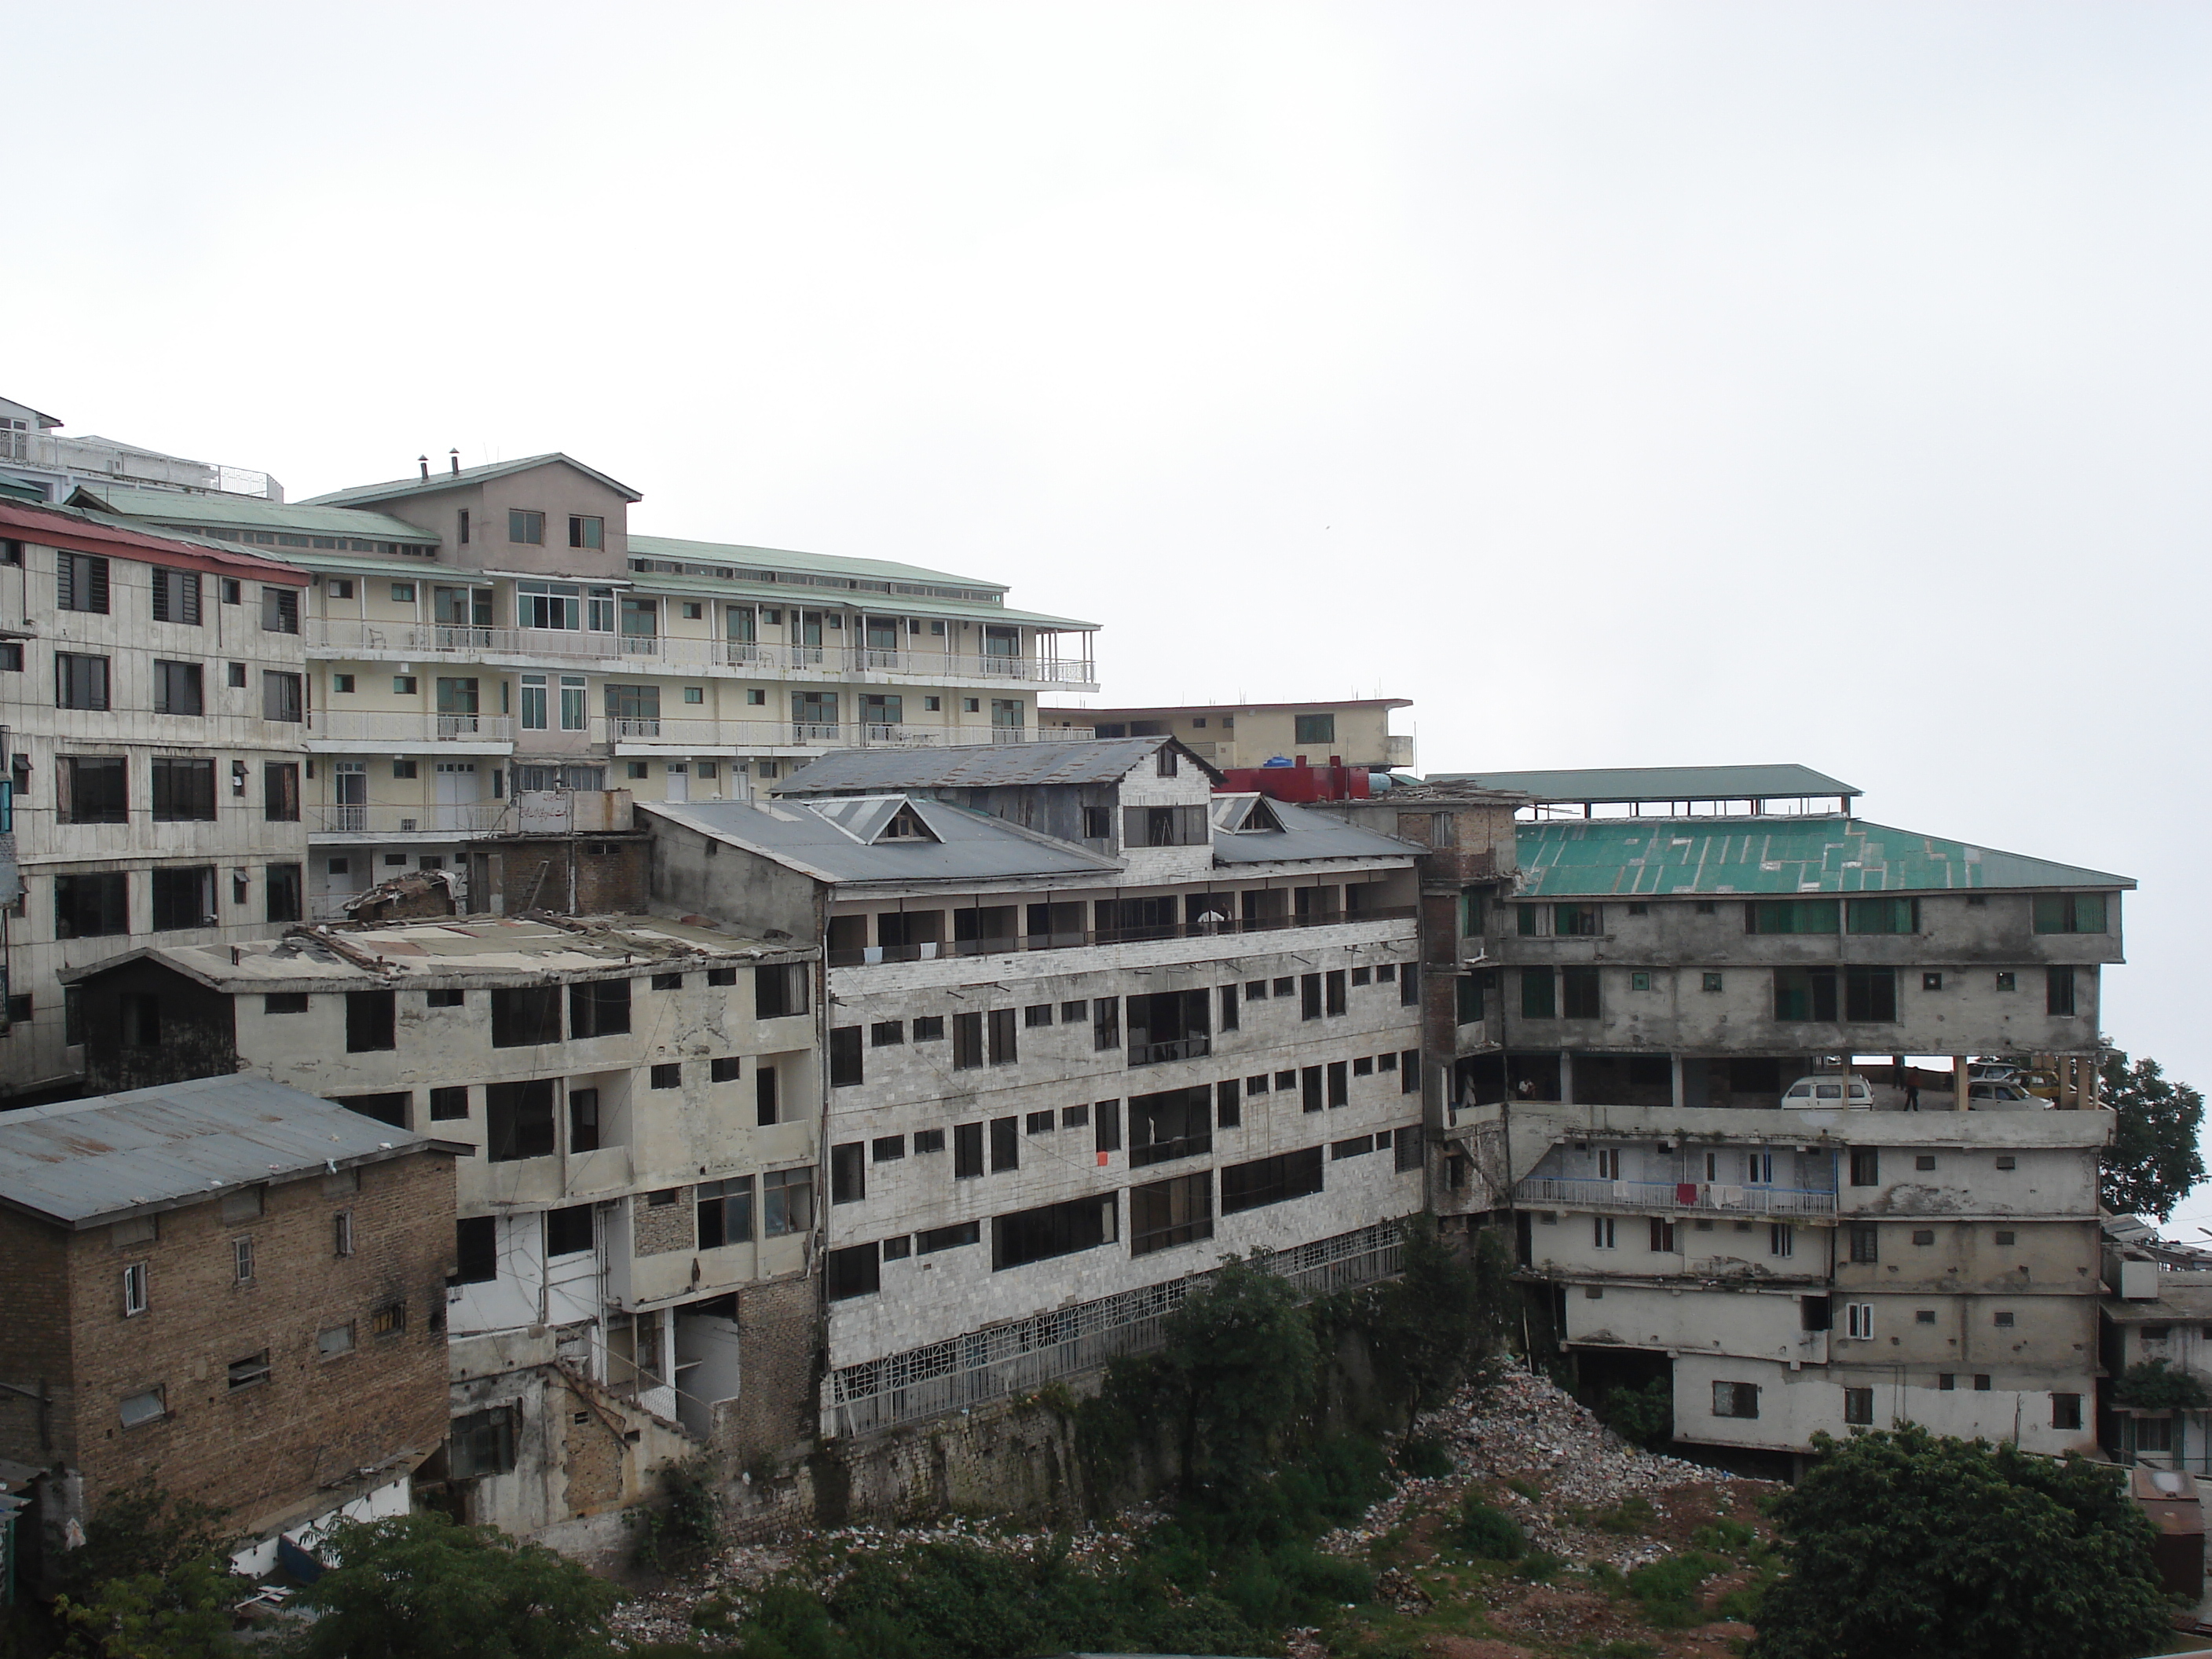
868,771
169,507
1771,855
1303,836
831,598
824,839
84,531
83,1161
462,479
818,564
1659,783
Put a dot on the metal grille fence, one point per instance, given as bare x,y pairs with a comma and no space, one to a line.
1024,1354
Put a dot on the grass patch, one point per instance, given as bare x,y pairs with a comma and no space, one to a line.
1632,1514
1726,1537
1668,1589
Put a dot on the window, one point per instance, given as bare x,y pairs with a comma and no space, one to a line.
967,1042
526,527
449,1102
1882,915
2069,913
1781,1238
1313,728
786,1202
1923,1315
1858,1406
280,792
933,1239
1332,984
147,1408
481,1443
1858,1320
475,1250
341,682
887,1149
1270,1180
2006,1161
280,697
1163,762
280,610
725,1211
1578,921
1002,1048
1537,998
95,789
1005,1144
525,1016
2008,982
134,1289
1806,915
1712,981
1171,1124
2003,1321
568,1231
1578,993
81,582
241,1260
848,1172
928,1141
1603,1235
2065,1410
80,682
725,1068
1053,1230
1736,1400
1106,1128
669,1074
779,992
764,1096
248,1372
1662,1237
370,1020
178,688
887,1034
855,1270
281,890
1639,981
1340,1084
1036,1014
2058,990
1946,1382
2005,1236
1866,1242
1038,1123
90,906
585,530
599,1007
1805,993
183,898
1409,986
1870,995
518,1120
1923,1236
184,791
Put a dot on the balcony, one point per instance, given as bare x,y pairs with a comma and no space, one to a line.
628,653
336,730
1706,1197
678,734
1010,943
1170,1048
481,818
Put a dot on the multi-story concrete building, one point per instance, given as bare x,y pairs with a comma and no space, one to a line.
39,464
1092,1027
638,1104
1230,735
486,631
153,696
229,1287
1617,1008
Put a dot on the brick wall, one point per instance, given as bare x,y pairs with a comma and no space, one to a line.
262,1449
660,1228
33,1262
779,1338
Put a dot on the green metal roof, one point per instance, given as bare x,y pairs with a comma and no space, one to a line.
462,479
1637,857
812,564
1659,783
170,506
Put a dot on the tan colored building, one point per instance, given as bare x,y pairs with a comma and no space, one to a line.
228,1286
1354,733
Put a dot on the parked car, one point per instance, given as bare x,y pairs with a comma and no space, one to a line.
1826,1094
2002,1097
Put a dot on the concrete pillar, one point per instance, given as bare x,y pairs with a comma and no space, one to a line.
1675,1063
1566,1079
1958,1083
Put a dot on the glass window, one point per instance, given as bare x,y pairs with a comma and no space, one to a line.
80,682
786,1202
526,527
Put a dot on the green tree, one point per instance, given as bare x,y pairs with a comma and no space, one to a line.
419,1587
151,1581
1441,1317
1907,1546
1240,1353
2153,1159
2152,1385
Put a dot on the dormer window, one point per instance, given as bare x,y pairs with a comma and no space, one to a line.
906,824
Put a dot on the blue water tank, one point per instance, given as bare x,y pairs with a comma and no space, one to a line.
1278,760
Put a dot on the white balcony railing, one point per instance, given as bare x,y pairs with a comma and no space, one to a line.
344,725
628,651
1675,1195
693,735
465,818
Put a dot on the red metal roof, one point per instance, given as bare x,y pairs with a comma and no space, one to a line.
54,527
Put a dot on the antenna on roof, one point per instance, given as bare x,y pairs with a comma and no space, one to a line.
423,461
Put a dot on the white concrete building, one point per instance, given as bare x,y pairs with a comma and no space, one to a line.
1091,1028
153,696
639,1218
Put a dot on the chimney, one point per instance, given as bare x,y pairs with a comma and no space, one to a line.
423,461
456,455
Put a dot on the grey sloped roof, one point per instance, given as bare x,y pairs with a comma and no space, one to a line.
861,771
1303,836
1659,783
462,480
832,840
84,1161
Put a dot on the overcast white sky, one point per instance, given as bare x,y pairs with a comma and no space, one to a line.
1626,384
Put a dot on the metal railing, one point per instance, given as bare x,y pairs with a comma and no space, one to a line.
699,735
581,645
1013,944
341,726
1024,1354
461,818
1675,1195
1168,1048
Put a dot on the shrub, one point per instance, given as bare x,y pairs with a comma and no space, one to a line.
685,1525
1541,1567
1727,1537
1668,1589
1489,1534
1424,1460
1632,1514
2152,1385
1645,1416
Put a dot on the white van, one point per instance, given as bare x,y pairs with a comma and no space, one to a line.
1826,1094
2002,1097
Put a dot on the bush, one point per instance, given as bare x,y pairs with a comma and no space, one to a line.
680,1530
1424,1460
1643,1416
1727,1537
2152,1385
1489,1534
1632,1514
1668,1589
1541,1567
